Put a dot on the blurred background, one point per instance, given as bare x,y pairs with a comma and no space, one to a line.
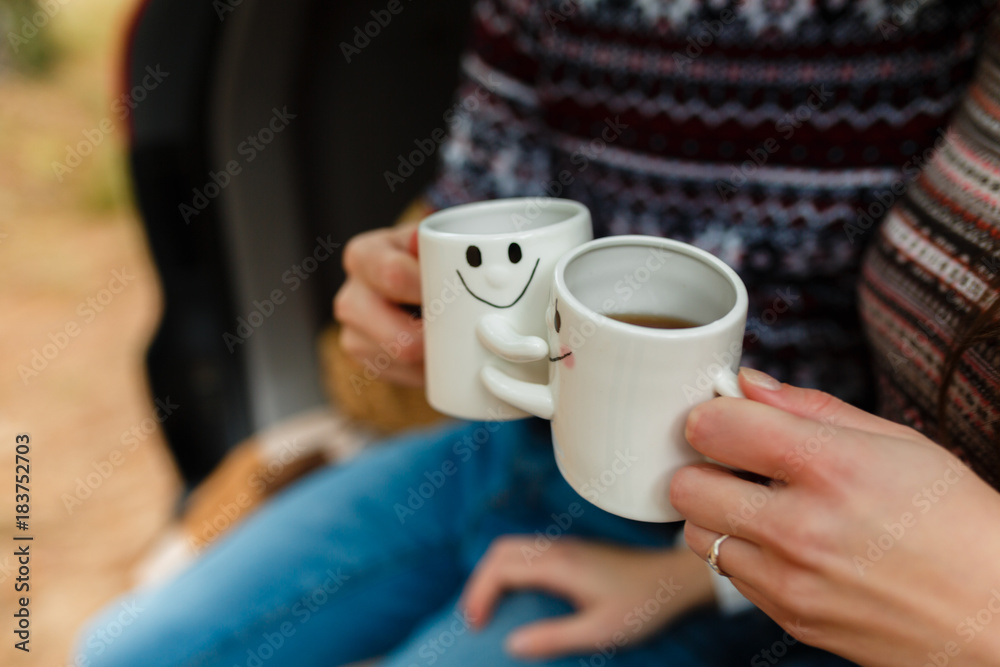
59,243
122,267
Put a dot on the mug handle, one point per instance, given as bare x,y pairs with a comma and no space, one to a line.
536,399
727,383
499,337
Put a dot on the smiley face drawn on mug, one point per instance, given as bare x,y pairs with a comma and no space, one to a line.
494,280
564,351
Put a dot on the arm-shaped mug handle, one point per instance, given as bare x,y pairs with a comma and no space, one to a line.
727,383
499,337
536,399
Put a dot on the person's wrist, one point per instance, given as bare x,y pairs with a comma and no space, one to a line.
693,578
672,578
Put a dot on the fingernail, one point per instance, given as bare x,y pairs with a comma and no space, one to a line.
758,379
692,420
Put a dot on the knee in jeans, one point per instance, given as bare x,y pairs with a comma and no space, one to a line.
95,645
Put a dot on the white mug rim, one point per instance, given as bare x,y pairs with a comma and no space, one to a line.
730,319
575,212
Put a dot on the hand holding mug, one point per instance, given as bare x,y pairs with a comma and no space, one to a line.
620,389
878,544
382,274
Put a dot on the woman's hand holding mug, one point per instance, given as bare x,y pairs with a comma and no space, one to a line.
383,274
876,543
640,330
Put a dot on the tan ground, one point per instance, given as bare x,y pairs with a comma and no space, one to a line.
59,244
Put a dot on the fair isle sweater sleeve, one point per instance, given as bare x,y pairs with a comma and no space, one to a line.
929,273
497,146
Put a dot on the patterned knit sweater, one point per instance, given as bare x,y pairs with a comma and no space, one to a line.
932,269
761,130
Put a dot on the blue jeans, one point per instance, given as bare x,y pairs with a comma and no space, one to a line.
368,559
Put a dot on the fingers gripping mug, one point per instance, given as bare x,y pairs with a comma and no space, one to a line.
620,388
486,271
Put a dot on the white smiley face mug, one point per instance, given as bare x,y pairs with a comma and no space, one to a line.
619,393
486,271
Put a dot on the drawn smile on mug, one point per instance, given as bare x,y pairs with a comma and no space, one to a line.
561,357
564,351
474,256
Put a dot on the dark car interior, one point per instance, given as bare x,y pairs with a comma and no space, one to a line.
268,141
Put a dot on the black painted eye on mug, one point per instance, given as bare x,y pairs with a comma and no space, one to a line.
514,253
557,320
473,256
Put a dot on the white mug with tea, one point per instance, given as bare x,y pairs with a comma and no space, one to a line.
640,329
485,271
